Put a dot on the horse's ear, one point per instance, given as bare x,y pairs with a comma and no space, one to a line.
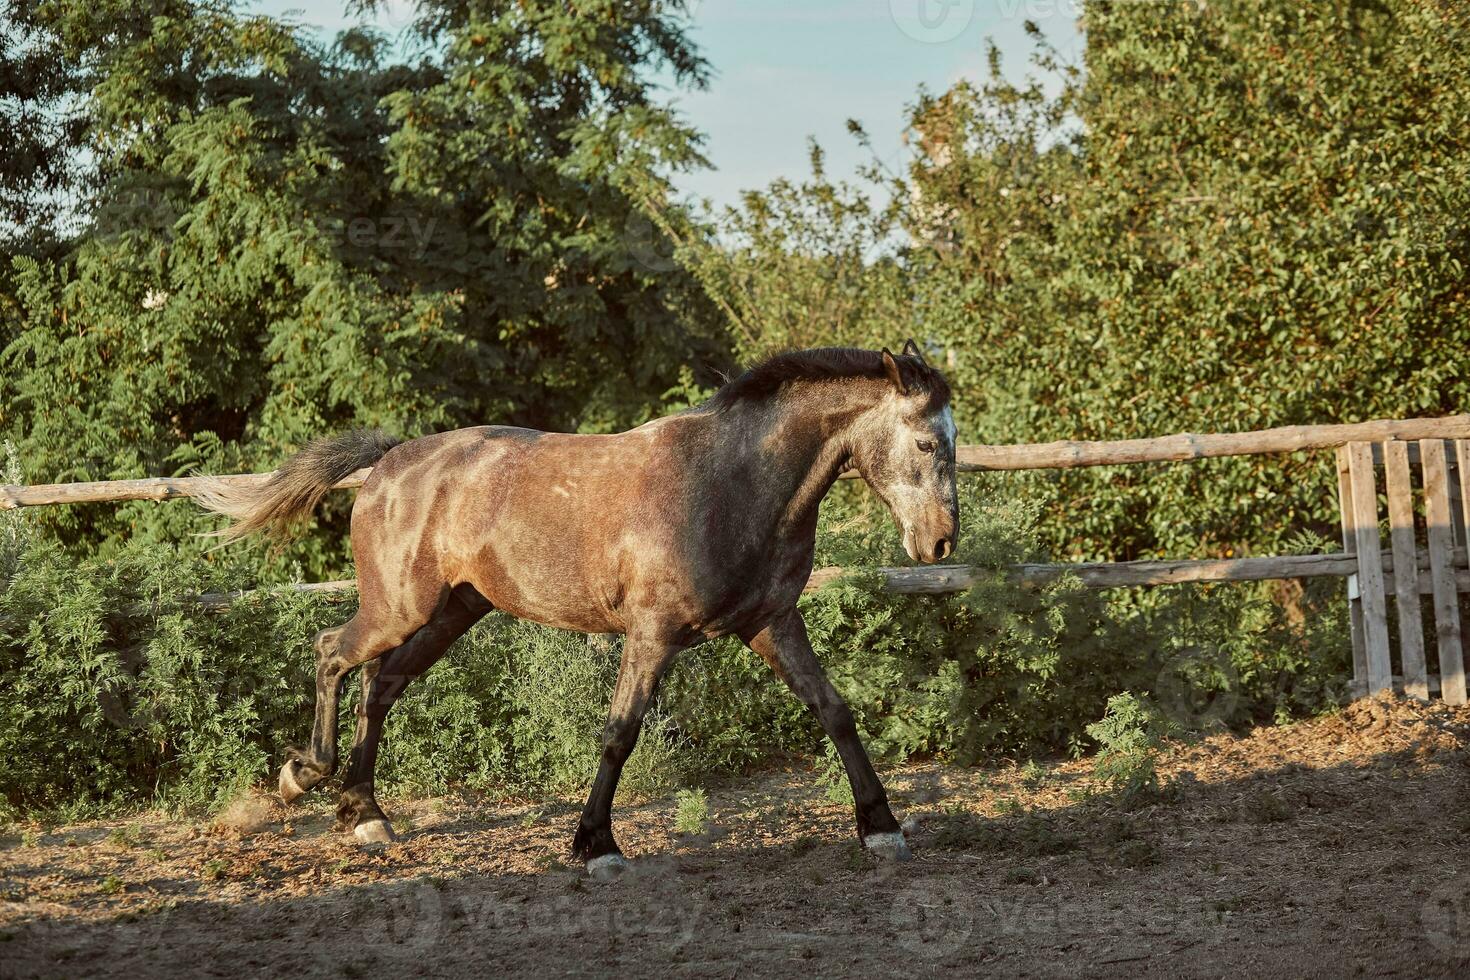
912,349
890,368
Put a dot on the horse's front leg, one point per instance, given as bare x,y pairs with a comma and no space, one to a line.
784,645
644,662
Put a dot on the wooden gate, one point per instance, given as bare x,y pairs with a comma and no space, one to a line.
1427,557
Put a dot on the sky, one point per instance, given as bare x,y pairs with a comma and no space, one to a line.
788,71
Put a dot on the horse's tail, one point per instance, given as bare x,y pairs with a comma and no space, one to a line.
282,503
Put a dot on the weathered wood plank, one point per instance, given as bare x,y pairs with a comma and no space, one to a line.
223,600
1462,457
1350,546
942,579
1406,571
1190,446
1113,575
1442,571
1457,502
1370,566
1052,455
938,579
152,488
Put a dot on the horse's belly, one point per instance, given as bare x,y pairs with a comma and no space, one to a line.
534,588
565,611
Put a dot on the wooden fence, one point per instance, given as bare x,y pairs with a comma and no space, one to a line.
1439,449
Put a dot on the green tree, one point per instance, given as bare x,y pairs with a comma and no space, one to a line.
1232,216
287,239
1264,223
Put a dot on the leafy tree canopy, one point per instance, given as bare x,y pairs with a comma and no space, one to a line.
1234,215
283,239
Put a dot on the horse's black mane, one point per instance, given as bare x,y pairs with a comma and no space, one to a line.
829,363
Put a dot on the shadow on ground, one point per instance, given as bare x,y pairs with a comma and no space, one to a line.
1328,849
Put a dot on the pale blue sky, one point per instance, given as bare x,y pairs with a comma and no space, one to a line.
788,70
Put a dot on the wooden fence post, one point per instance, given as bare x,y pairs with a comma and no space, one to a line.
1405,568
1462,457
1350,546
1442,570
1370,566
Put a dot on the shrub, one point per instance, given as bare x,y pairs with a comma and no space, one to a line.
1129,735
692,816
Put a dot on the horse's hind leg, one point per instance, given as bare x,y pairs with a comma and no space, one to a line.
363,638
383,683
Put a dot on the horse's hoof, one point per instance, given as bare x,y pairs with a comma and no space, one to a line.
609,867
291,788
374,832
890,847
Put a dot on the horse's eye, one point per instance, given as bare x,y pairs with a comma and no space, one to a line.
925,446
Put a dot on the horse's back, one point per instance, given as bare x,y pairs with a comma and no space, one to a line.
547,526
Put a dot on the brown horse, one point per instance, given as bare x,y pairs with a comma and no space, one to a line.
693,526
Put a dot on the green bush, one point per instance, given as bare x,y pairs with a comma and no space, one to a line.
1129,736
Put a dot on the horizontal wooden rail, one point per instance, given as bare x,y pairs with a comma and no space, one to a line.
943,579
1190,446
1042,456
939,579
150,488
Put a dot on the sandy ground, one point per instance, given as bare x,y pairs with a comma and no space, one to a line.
1338,847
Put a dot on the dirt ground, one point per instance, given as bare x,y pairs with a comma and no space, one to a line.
1336,847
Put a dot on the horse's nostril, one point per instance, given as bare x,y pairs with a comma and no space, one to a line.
941,549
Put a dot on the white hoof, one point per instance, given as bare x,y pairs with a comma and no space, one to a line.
375,832
609,867
890,847
290,789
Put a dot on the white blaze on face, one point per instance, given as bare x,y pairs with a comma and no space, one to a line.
911,501
944,422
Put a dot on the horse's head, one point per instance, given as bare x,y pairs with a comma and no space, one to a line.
905,450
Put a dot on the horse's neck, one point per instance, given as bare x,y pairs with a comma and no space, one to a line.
800,445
